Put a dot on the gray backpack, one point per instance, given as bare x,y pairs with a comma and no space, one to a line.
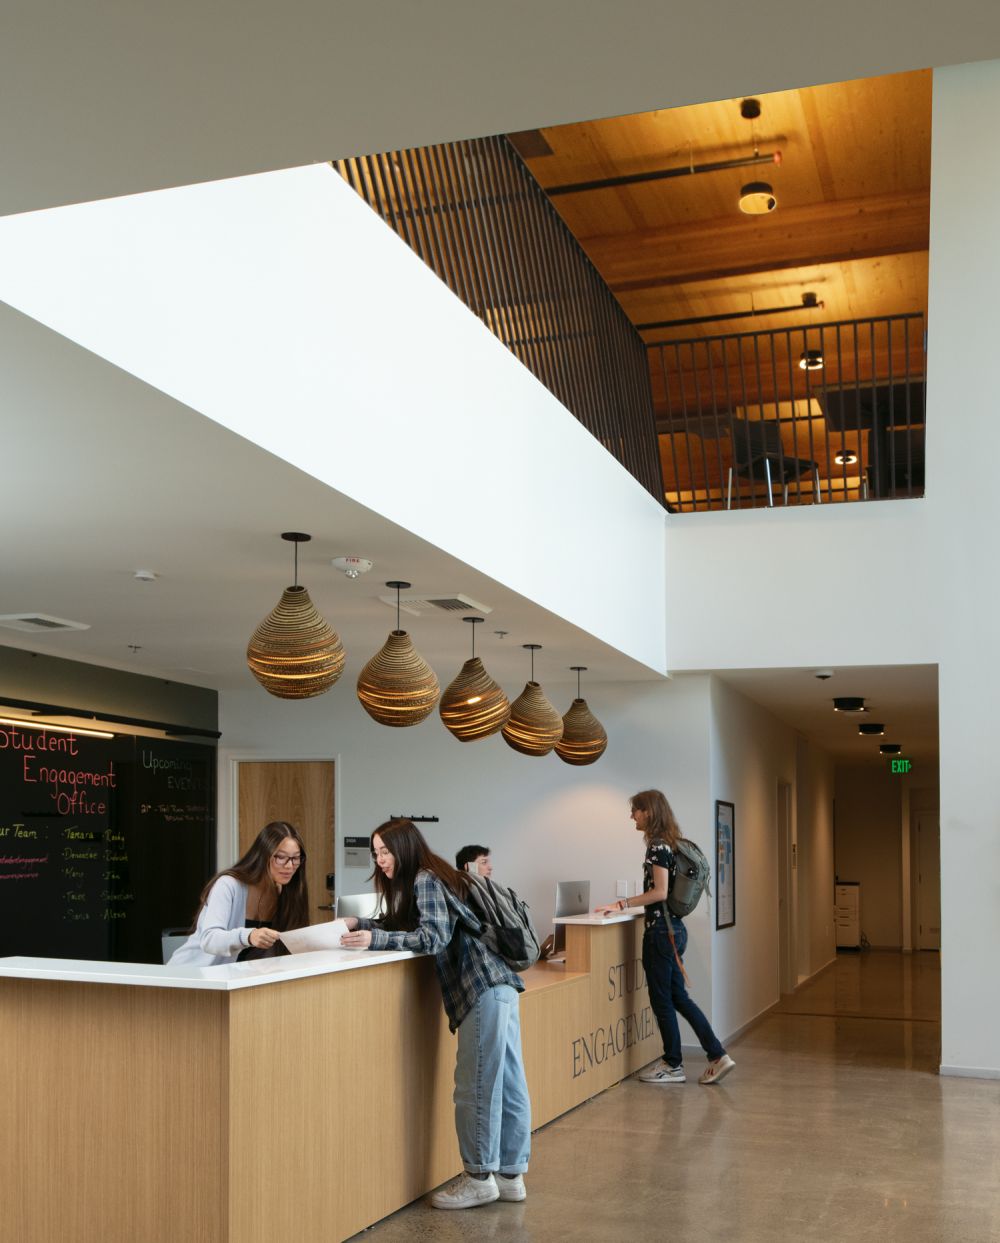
507,928
689,878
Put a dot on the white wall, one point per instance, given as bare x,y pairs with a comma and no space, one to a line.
751,752
963,441
868,848
545,820
765,588
284,308
814,824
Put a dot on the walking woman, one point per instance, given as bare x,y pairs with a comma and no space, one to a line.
245,909
423,898
663,948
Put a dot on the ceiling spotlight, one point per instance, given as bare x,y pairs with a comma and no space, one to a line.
849,703
823,674
757,198
353,567
872,727
811,360
145,576
890,748
846,458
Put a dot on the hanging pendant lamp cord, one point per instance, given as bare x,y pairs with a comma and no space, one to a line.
578,683
532,666
397,608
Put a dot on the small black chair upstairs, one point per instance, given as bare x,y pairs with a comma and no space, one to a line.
758,454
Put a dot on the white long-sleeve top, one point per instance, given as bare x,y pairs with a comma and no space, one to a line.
220,932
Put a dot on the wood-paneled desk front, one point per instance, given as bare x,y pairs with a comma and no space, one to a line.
301,1098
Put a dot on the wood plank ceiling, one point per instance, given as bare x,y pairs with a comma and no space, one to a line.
851,222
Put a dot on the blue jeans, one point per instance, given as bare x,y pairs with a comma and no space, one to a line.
492,1107
669,997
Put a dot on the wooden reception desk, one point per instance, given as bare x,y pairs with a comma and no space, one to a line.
301,1098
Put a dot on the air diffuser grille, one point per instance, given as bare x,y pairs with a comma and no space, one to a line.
37,623
451,602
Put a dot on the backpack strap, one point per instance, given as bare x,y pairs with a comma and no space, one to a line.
673,943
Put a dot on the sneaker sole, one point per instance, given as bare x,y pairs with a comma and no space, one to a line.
708,1083
466,1204
662,1083
514,1199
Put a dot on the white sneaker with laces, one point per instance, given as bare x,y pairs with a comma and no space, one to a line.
717,1070
466,1192
511,1187
660,1072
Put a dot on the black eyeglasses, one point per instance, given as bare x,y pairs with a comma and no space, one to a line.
281,860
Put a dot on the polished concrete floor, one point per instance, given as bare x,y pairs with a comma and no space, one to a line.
835,1126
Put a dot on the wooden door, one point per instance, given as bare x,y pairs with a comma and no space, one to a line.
301,793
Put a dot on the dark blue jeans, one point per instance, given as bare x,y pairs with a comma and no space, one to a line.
669,997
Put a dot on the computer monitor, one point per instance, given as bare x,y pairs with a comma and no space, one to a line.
364,905
572,898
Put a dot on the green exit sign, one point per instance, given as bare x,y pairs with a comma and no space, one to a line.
900,766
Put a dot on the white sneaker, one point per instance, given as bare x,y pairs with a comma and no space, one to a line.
511,1187
717,1069
660,1072
466,1192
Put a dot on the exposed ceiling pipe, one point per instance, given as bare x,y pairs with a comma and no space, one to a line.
809,302
662,174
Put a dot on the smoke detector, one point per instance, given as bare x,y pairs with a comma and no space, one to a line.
353,567
145,576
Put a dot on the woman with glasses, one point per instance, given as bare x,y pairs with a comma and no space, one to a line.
245,908
423,898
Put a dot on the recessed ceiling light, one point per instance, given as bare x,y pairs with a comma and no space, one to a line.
846,458
890,748
848,703
811,360
871,727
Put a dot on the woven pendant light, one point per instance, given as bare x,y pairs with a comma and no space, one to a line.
398,687
534,726
474,706
294,653
584,739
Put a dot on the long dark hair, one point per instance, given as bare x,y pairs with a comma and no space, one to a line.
293,899
661,823
406,844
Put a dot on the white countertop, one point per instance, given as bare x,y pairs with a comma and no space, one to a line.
594,921
224,978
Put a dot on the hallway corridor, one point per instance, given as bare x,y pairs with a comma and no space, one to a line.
834,1126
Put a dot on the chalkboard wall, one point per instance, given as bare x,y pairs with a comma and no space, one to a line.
103,842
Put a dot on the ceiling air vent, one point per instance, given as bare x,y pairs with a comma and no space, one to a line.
447,602
39,623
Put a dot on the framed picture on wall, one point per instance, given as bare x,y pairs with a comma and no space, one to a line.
725,864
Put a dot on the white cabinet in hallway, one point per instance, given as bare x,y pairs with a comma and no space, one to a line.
847,915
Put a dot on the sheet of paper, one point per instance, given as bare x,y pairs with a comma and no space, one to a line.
315,937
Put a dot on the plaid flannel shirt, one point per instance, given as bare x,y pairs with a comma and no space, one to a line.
447,929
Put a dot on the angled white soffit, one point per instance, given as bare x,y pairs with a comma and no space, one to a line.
282,308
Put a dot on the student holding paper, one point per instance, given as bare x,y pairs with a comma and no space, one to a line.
248,906
423,897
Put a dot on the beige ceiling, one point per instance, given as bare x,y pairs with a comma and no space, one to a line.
904,698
